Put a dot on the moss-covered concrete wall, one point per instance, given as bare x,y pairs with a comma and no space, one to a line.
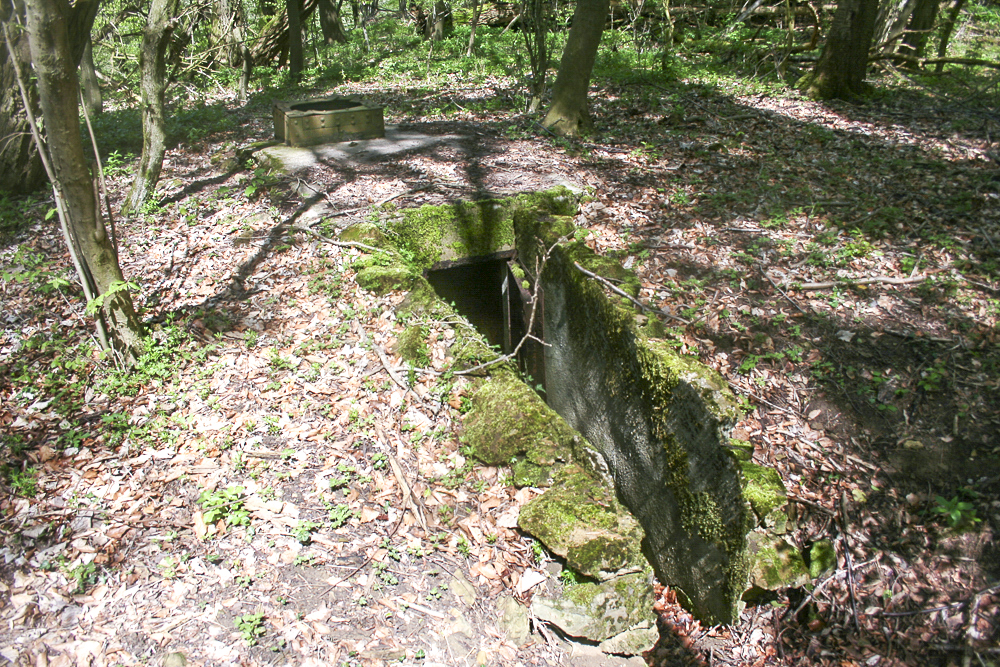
659,420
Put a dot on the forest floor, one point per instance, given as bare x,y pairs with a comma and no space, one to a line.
240,496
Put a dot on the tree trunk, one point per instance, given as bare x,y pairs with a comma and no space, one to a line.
441,23
153,84
21,168
55,68
921,23
569,114
330,23
476,8
534,24
946,31
840,71
295,57
890,22
273,39
88,81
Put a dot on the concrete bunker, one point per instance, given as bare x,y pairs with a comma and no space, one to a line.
640,474
326,120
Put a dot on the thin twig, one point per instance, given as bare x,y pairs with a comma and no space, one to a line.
620,292
780,291
850,561
408,497
869,281
539,267
327,239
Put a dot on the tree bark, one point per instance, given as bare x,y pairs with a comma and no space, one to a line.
569,114
88,81
841,69
330,23
153,85
476,8
272,43
58,91
921,23
295,56
441,23
20,166
946,32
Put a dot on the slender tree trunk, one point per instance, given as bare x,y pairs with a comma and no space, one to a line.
841,69
88,81
20,166
476,8
534,24
153,84
58,91
921,23
946,32
569,114
295,57
330,23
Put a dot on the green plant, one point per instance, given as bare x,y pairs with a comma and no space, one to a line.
84,575
956,512
340,514
250,338
250,626
303,560
932,379
24,482
383,573
463,547
303,531
225,504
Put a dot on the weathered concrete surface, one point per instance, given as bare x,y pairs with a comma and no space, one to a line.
289,159
600,611
660,421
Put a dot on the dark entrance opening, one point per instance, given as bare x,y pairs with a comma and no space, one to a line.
485,291
326,105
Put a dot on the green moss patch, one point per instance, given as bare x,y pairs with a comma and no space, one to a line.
764,488
580,520
508,419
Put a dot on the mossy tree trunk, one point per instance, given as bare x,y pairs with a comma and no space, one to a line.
330,23
272,42
153,85
295,55
58,92
21,168
88,81
840,71
569,114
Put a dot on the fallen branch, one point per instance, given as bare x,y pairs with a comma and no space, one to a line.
921,62
869,281
327,239
620,292
780,291
408,498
